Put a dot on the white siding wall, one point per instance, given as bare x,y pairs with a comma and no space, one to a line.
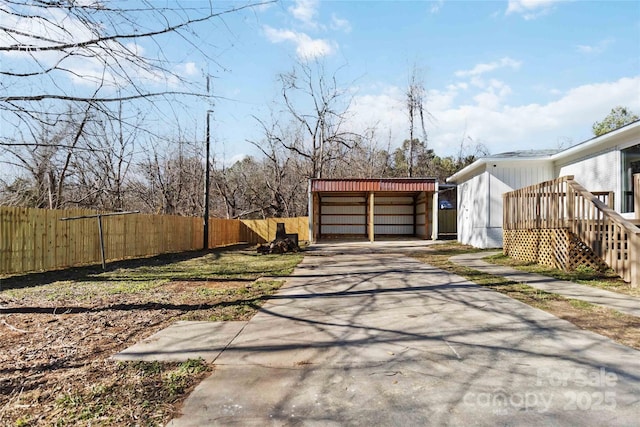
598,173
393,229
472,210
343,218
480,199
396,200
519,174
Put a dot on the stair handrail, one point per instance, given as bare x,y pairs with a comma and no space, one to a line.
564,203
583,222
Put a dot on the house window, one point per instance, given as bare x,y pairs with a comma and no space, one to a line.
630,166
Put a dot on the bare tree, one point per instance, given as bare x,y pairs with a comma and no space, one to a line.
64,64
315,112
96,44
46,157
367,159
235,189
171,182
102,170
284,176
95,53
415,99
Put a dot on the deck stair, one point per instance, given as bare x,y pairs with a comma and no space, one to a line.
561,224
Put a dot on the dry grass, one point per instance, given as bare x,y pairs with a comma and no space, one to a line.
58,331
607,280
622,328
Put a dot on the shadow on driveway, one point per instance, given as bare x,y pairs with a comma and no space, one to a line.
371,337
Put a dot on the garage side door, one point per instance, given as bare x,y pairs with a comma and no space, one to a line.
343,217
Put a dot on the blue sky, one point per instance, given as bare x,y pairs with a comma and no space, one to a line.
510,74
518,74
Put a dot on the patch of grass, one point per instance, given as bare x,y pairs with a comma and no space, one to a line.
236,265
177,380
22,422
145,369
583,305
140,388
618,326
583,275
77,319
238,303
229,265
439,257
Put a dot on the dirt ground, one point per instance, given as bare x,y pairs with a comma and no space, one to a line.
57,334
58,331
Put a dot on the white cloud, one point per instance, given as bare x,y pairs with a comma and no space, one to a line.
263,7
599,47
84,67
488,119
228,162
457,86
305,11
339,24
530,9
188,69
491,66
493,96
436,6
306,47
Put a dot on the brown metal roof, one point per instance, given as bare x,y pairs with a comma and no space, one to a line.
380,184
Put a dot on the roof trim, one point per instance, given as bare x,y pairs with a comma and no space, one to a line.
583,146
595,141
373,185
468,170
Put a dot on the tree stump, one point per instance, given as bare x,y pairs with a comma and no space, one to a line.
283,242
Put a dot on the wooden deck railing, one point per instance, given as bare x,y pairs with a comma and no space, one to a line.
636,195
564,204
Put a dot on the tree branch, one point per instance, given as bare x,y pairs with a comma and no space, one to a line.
97,40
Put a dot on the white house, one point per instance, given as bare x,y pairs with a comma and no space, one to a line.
604,163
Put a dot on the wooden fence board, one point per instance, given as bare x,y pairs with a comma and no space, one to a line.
37,240
636,195
447,221
265,229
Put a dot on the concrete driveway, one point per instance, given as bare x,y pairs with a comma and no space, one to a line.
363,336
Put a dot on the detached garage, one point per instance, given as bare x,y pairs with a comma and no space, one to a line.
371,208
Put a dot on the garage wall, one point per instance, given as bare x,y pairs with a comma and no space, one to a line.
393,215
343,215
421,220
424,215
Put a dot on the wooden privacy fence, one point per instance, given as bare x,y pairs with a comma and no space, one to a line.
447,222
37,240
264,230
561,224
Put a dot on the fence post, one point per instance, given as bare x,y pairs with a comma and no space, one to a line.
636,195
634,259
571,200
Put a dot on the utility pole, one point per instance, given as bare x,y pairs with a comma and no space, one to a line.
207,173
